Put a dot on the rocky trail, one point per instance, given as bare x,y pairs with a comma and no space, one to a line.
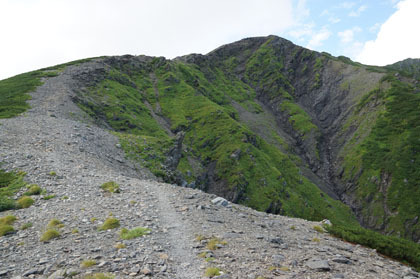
190,231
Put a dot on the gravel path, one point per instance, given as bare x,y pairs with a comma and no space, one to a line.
189,232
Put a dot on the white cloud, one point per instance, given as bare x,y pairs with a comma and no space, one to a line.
39,33
397,38
334,19
318,38
347,5
374,28
347,36
302,31
358,12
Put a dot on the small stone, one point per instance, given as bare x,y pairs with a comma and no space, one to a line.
277,259
43,261
59,274
321,265
101,264
135,270
342,260
30,272
220,201
3,272
276,240
72,272
146,271
326,222
338,276
294,263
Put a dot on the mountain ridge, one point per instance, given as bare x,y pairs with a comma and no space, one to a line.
316,111
191,234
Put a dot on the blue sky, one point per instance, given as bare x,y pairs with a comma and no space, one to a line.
41,33
342,27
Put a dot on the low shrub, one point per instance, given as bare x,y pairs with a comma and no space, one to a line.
397,248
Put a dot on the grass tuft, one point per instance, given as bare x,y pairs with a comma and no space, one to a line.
110,223
88,263
48,197
49,234
119,245
7,220
212,271
55,223
136,232
215,243
10,183
6,229
25,202
111,187
319,229
26,226
33,190
99,276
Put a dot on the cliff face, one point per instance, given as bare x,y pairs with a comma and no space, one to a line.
271,125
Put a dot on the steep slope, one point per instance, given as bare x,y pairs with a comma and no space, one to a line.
267,124
408,67
142,98
60,149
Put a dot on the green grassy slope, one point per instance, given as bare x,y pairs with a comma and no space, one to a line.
13,92
386,164
259,176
